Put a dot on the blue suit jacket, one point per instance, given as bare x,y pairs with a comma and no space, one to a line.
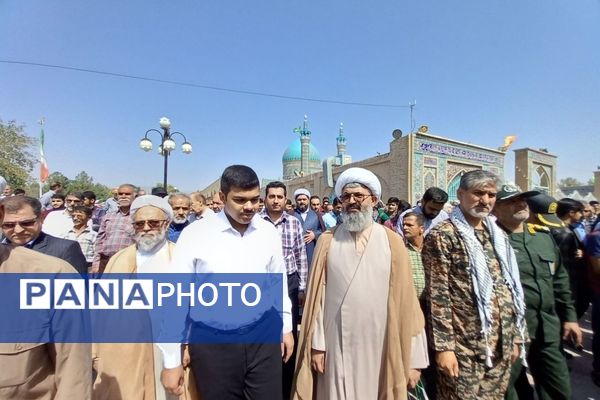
64,249
313,223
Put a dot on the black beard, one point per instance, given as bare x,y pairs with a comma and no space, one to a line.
302,208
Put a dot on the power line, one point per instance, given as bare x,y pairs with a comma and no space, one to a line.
196,85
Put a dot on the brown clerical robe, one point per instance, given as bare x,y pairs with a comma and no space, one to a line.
404,317
131,371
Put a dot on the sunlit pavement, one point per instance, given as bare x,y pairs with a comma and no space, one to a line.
581,365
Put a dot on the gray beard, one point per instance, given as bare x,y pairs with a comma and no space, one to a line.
149,243
179,221
356,222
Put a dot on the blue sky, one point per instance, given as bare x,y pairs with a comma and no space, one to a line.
478,70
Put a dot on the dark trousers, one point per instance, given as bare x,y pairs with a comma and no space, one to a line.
596,329
549,368
237,371
289,367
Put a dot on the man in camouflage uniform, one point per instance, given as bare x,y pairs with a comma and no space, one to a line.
548,299
474,295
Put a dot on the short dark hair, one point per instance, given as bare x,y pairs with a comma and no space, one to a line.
418,217
88,194
55,185
75,194
58,196
336,201
86,210
403,206
276,185
594,203
240,176
15,203
288,202
315,197
18,192
564,206
435,194
394,200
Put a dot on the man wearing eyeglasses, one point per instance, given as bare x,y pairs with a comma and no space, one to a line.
22,226
59,223
123,370
37,370
362,329
115,231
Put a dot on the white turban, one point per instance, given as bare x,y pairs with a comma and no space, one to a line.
358,175
2,184
154,201
301,191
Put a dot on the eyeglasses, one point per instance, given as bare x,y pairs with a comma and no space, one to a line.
152,223
359,197
23,224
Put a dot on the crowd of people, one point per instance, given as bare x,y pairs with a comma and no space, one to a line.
471,299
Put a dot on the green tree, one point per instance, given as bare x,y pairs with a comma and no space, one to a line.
170,188
16,159
568,182
56,177
82,182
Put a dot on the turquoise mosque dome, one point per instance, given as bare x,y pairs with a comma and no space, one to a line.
294,152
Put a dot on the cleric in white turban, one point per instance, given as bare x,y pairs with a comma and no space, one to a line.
358,175
154,201
373,345
302,191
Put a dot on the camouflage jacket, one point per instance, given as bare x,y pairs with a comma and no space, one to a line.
453,317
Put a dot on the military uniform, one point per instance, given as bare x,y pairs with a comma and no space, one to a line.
453,319
545,283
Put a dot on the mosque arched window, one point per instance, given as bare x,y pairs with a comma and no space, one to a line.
453,186
541,179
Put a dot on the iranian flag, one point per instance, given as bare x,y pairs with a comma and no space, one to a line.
43,165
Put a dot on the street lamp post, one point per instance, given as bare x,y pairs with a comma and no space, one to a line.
167,144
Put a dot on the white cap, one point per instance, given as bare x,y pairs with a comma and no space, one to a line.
154,201
358,175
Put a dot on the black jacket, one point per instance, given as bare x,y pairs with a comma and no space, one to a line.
67,250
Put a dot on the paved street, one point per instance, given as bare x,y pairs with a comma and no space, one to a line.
581,364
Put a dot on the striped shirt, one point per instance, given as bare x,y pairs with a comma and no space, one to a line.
115,233
292,240
86,240
416,264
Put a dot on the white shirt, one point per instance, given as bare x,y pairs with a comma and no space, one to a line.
212,245
59,223
428,224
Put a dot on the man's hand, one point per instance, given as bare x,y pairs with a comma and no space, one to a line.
447,363
185,356
515,354
413,378
572,331
172,380
317,360
301,299
309,236
287,346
